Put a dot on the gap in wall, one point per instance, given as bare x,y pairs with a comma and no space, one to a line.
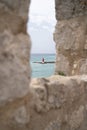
41,27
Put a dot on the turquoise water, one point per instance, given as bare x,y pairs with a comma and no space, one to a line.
42,70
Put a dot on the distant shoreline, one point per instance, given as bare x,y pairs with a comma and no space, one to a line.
48,62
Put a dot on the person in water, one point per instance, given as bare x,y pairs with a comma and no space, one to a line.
42,60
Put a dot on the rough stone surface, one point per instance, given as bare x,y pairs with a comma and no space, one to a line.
14,64
59,103
21,116
71,37
66,9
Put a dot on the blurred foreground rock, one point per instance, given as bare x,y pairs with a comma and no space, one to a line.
59,103
14,64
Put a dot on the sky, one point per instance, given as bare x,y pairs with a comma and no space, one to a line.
41,26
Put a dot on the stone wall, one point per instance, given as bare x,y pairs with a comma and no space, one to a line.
71,37
14,64
59,103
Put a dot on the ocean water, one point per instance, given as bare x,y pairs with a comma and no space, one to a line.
42,70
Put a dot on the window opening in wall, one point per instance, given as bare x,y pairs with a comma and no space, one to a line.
41,27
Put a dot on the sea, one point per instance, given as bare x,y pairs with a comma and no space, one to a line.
42,70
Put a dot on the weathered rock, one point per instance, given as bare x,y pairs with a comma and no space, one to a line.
14,63
70,8
71,37
59,103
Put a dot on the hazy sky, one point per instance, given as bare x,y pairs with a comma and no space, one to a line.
41,26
